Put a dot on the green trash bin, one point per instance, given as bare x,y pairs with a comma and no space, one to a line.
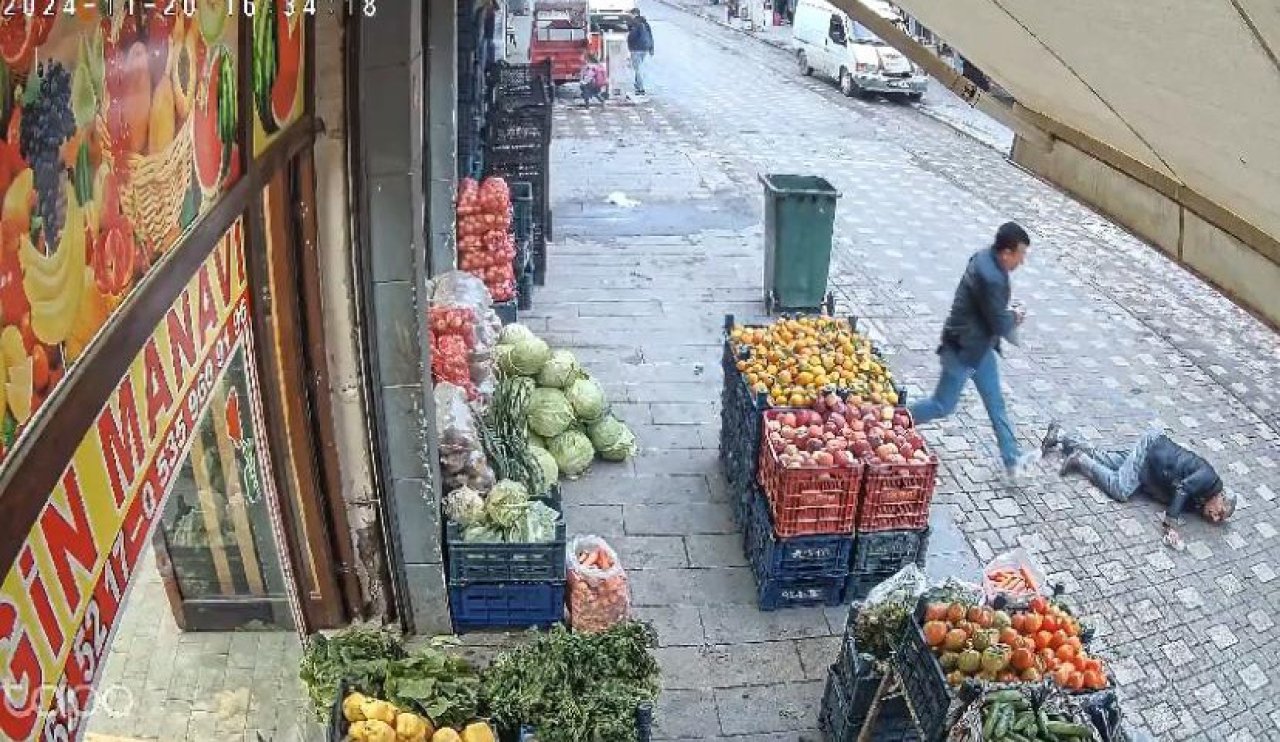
799,216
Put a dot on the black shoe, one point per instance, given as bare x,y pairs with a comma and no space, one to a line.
1052,438
1071,464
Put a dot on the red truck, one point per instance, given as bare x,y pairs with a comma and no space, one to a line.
561,34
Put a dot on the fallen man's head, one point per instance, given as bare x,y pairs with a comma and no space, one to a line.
1219,507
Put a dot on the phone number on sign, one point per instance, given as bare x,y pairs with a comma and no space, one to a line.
51,8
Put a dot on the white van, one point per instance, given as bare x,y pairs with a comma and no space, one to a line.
831,43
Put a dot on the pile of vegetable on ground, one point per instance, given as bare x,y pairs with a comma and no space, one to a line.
568,687
568,416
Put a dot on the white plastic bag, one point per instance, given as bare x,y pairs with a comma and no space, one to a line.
1014,574
599,595
461,289
462,459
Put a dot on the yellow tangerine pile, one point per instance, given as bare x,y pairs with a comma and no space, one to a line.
793,360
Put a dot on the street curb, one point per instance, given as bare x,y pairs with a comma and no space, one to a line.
924,111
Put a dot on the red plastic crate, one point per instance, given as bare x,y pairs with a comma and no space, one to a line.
809,501
896,497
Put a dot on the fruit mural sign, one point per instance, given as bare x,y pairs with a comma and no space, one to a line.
278,59
61,599
118,132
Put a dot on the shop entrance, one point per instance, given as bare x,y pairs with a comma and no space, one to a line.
215,549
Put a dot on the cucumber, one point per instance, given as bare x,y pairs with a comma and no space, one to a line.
82,175
1065,729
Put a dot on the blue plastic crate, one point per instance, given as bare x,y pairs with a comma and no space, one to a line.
776,594
513,605
793,558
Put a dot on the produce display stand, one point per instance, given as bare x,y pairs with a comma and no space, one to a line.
812,515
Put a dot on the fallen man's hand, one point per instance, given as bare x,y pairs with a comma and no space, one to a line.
1171,538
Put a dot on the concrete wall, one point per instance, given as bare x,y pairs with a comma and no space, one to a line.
1238,270
343,335
395,243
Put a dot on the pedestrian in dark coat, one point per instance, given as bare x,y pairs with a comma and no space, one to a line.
640,45
980,317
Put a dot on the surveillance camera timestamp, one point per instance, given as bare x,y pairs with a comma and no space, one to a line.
51,8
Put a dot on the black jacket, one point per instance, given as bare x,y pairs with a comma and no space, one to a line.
980,313
640,36
1178,477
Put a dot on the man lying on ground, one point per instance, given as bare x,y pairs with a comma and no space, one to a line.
1157,466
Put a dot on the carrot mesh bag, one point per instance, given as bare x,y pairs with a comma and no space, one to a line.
599,595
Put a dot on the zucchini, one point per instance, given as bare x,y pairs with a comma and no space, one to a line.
1005,696
1004,719
990,713
1066,729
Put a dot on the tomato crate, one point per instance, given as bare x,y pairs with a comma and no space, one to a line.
896,497
844,711
809,501
923,682
510,605
471,562
792,558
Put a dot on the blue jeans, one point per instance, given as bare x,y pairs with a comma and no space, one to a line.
637,63
1117,473
986,378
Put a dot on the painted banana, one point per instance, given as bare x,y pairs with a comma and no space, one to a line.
54,283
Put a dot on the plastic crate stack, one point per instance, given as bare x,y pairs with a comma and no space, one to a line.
893,520
518,143
852,684
473,58
506,585
817,535
522,224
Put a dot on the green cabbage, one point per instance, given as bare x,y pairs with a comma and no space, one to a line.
464,506
572,451
538,526
547,462
506,503
612,439
587,399
527,357
549,412
482,534
514,333
534,438
560,370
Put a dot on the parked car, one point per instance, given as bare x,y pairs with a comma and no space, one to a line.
832,44
610,15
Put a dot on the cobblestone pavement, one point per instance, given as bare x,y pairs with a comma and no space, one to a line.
1118,337
163,684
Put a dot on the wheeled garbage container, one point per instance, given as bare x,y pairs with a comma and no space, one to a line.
799,216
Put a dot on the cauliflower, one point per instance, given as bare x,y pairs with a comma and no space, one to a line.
372,730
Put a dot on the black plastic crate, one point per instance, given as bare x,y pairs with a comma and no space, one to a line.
888,551
507,311
793,558
522,210
472,562
776,594
506,606
923,682
524,290
522,85
844,712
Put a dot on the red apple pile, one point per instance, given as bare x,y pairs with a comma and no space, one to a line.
486,247
836,432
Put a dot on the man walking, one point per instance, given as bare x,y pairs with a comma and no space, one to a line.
1156,466
980,317
640,45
